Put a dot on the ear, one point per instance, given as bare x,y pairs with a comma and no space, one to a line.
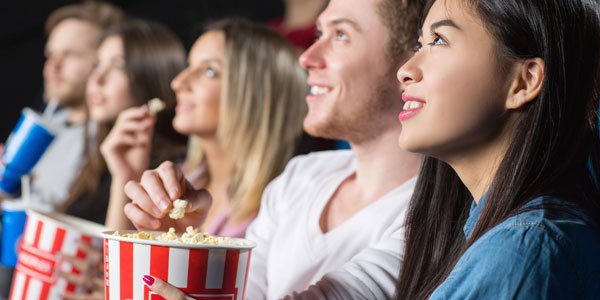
527,84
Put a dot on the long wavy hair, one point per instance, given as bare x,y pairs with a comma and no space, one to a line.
261,109
553,151
153,57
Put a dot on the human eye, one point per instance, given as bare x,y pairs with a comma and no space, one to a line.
417,46
341,36
438,40
318,35
210,72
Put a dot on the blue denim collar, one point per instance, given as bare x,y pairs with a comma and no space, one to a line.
474,214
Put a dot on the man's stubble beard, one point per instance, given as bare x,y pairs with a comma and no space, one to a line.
73,96
365,123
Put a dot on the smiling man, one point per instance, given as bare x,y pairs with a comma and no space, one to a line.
329,227
331,224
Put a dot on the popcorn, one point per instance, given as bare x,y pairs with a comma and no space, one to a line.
191,236
178,209
155,105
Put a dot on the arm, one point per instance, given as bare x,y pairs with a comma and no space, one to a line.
371,274
126,151
261,231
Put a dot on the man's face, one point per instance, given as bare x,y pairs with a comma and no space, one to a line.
353,92
70,57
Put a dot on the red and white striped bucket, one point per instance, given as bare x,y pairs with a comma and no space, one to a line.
44,237
201,271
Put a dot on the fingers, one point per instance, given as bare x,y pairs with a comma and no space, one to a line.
172,178
199,201
139,218
155,189
139,196
135,113
164,289
78,263
76,279
93,254
95,295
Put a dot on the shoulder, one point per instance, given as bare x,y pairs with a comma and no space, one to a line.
317,165
545,249
308,176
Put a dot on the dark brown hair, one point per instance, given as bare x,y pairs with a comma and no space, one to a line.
153,57
402,17
555,149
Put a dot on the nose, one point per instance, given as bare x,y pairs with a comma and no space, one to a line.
312,58
53,63
410,72
97,77
180,80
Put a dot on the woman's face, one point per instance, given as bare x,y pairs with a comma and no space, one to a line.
454,93
108,90
198,87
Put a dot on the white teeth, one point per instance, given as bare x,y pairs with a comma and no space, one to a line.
319,90
412,105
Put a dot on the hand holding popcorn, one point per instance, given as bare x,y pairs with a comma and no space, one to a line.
152,200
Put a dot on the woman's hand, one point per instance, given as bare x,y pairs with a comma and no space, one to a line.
90,278
127,147
164,289
152,199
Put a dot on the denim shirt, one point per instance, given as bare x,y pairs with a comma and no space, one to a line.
537,254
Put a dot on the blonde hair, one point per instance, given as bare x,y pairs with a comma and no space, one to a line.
100,14
261,110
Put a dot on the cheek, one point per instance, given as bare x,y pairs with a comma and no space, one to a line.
77,69
209,102
462,99
118,97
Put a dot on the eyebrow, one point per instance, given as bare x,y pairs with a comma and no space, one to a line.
207,61
339,21
445,22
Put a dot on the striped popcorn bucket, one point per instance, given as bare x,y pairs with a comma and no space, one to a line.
201,271
44,237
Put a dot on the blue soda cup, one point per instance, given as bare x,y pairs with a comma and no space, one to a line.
13,224
25,146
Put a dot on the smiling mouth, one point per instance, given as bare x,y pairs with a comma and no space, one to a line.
319,90
408,105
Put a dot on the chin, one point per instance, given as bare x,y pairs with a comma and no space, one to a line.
409,145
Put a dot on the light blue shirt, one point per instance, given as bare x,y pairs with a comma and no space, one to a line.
537,254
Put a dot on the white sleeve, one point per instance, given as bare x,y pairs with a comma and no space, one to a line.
261,231
371,274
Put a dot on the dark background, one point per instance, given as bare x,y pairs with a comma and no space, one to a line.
22,39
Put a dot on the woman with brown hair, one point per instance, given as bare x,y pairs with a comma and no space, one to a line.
136,60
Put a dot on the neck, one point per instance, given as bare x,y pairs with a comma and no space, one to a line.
478,166
302,13
220,163
76,115
382,165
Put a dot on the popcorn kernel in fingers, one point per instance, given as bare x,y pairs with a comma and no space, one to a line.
178,210
155,105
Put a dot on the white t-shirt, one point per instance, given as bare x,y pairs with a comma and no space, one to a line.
59,166
359,259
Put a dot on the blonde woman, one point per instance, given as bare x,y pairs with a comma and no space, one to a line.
241,101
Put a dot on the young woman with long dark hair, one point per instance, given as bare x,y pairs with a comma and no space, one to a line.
502,98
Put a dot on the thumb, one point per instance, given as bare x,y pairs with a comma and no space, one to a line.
164,289
199,201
